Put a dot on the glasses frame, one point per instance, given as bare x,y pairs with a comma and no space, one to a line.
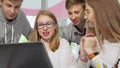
48,25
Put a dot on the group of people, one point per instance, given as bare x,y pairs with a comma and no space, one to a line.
94,27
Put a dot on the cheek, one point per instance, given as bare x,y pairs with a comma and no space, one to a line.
70,16
6,9
16,11
78,15
90,18
40,32
93,19
81,16
52,31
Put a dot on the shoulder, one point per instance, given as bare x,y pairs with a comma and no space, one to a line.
69,26
64,42
21,12
21,15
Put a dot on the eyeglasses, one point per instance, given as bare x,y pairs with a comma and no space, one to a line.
48,25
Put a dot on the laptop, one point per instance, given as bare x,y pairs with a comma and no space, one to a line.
24,55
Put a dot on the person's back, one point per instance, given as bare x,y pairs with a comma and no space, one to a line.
13,21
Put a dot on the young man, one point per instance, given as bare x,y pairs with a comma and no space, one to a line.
13,22
76,29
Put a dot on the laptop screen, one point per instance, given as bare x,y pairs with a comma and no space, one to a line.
24,55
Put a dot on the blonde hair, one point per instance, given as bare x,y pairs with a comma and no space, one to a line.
34,36
107,15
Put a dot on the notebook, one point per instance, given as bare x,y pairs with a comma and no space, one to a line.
24,55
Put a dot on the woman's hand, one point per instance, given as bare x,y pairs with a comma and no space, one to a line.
87,45
83,55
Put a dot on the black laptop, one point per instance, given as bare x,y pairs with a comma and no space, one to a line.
24,55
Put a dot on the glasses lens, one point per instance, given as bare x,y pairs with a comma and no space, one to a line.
48,25
40,26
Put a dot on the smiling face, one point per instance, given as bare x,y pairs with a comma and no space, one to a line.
46,27
89,16
10,8
75,13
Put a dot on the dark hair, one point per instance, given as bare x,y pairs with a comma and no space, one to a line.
69,3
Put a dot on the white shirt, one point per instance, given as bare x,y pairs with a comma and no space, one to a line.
62,57
108,56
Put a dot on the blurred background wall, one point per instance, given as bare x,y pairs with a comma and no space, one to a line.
31,7
56,6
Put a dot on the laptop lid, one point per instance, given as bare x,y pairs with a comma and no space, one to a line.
24,55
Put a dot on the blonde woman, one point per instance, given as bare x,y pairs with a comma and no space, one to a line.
46,30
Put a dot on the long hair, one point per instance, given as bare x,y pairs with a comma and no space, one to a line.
34,36
107,16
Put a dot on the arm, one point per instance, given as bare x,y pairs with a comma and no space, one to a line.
85,48
88,48
98,62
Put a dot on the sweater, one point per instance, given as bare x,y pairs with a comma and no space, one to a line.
10,32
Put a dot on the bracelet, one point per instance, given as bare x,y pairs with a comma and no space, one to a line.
92,55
